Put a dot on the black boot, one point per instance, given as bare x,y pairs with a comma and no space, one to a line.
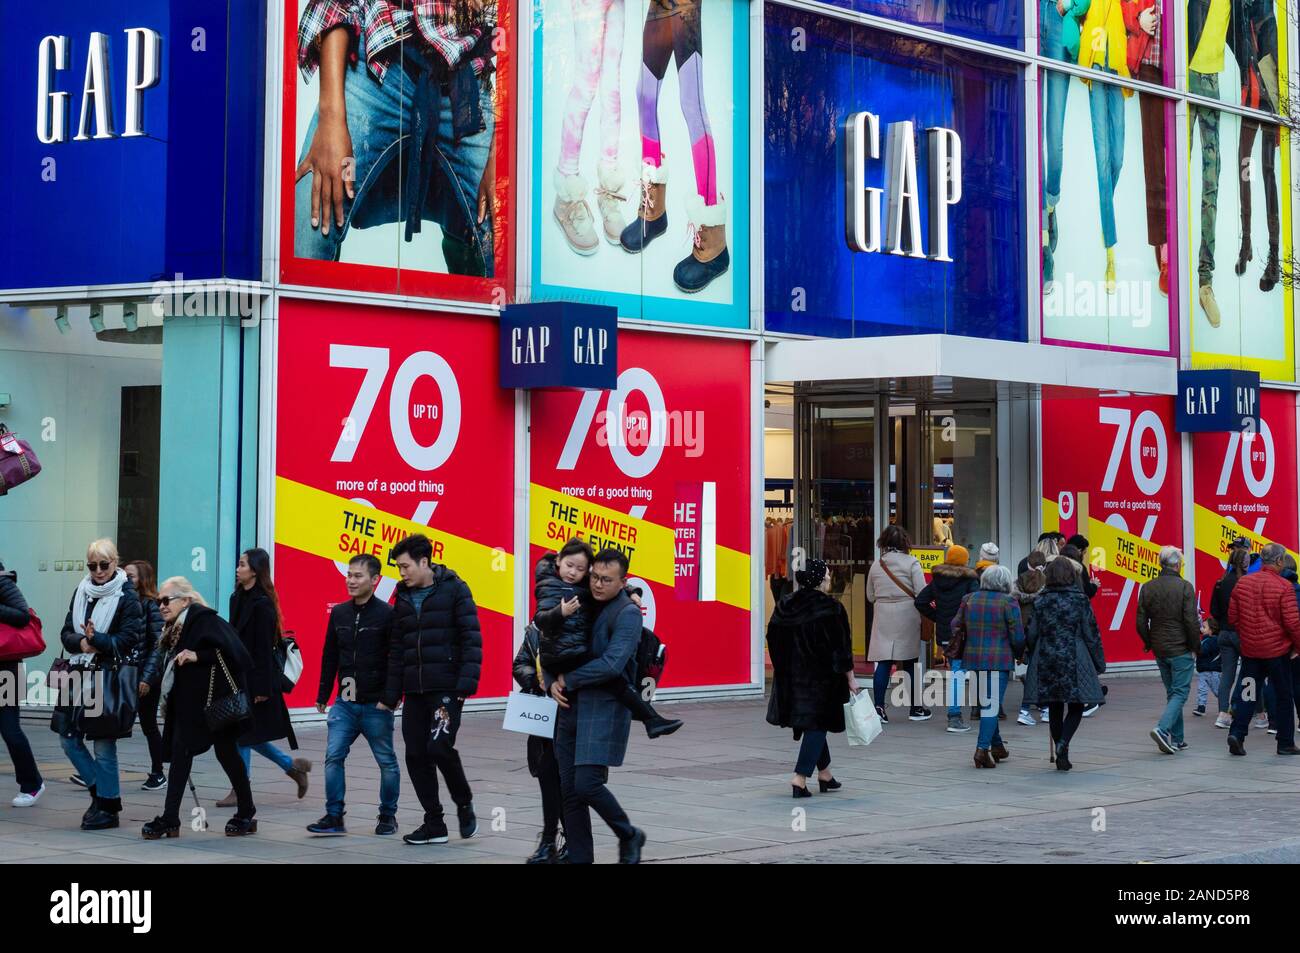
101,817
94,805
1063,758
159,828
1245,255
545,853
659,725
1272,272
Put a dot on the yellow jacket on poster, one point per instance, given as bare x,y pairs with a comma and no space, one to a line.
1208,57
1104,39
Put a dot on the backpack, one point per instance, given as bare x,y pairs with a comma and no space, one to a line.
651,659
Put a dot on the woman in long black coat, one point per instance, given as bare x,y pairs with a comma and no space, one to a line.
204,655
1065,657
255,614
811,647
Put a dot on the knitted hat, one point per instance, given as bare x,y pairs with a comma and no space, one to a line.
957,556
989,553
812,574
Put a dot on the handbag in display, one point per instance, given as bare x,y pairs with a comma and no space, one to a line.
289,658
861,720
18,462
927,625
114,701
229,710
17,644
531,714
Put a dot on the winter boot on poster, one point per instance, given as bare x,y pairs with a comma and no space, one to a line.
610,200
709,257
652,216
1272,272
573,214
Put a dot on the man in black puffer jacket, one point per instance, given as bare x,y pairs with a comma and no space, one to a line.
950,582
433,662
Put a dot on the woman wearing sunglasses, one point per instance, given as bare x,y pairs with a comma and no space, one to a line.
199,657
104,620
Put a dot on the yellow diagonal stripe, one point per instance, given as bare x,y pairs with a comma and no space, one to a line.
554,517
1215,533
333,527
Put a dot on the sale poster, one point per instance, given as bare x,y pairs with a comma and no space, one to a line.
1111,472
390,423
659,468
1245,486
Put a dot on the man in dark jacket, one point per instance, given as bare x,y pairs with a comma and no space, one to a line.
1267,620
592,728
1169,626
434,659
356,654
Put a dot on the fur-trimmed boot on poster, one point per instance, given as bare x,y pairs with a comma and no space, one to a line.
652,214
573,214
709,257
610,200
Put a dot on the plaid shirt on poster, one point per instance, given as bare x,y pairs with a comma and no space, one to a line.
992,622
385,23
1152,55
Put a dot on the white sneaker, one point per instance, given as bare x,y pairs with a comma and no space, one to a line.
1223,721
1091,710
1261,721
1026,718
27,800
1046,715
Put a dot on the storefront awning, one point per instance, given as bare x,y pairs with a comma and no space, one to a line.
945,355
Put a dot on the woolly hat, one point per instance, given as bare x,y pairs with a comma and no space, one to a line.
957,556
811,576
989,553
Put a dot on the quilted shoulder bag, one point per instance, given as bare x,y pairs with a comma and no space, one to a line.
18,463
229,710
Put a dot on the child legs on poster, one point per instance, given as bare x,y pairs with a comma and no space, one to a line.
673,31
598,56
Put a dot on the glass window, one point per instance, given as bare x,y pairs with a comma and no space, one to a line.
993,21
1106,214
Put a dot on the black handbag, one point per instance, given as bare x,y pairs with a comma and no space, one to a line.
229,710
112,714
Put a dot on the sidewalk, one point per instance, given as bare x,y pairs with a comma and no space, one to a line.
718,792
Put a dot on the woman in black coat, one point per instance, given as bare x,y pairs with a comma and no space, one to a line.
255,614
142,577
199,653
541,755
1065,656
105,621
811,647
13,612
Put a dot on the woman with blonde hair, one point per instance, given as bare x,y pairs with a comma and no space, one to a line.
104,624
202,658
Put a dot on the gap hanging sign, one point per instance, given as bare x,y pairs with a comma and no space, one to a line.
133,142
1222,401
903,221
559,344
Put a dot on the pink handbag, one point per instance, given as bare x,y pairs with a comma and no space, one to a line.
18,463
17,644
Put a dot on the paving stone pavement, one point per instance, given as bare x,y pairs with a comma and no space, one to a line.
718,792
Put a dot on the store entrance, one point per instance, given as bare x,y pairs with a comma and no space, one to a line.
867,454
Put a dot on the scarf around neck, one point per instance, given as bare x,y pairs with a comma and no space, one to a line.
106,599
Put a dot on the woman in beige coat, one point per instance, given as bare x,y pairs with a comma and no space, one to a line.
896,626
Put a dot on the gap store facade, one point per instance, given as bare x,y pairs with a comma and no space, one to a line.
937,264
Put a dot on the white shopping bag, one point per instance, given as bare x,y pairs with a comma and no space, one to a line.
861,720
531,714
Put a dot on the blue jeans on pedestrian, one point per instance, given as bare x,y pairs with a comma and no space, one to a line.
26,773
1177,673
880,680
268,751
813,752
346,721
1106,104
991,687
99,769
957,687
379,117
1207,684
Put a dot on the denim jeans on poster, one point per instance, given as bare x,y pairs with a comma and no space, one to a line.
1106,104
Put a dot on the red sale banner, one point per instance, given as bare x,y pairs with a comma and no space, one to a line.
660,469
1245,485
1111,472
389,423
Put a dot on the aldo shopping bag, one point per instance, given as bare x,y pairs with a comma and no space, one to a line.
861,721
531,714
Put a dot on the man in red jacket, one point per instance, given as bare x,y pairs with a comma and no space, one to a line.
1263,611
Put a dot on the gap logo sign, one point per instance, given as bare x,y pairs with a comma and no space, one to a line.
559,344
1218,401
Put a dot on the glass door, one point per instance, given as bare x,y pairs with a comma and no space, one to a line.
961,462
